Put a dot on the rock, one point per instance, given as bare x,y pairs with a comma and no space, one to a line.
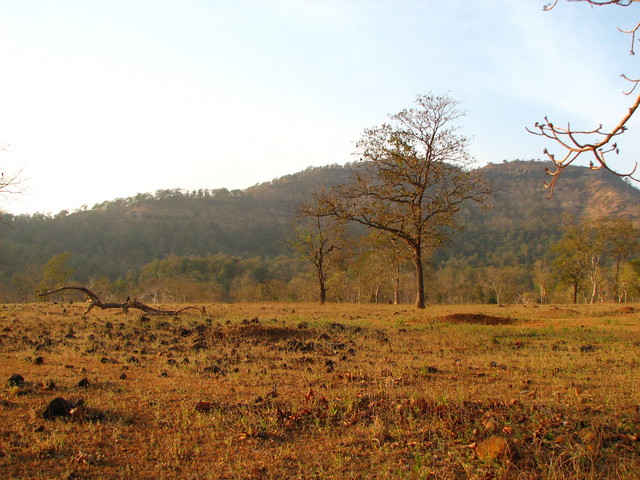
330,364
214,369
493,448
57,407
84,383
16,380
38,360
587,348
206,407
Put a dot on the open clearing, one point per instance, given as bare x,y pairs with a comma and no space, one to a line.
261,391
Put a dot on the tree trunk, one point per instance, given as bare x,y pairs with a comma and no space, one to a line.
575,292
376,293
396,290
616,294
542,295
496,290
322,278
323,288
417,260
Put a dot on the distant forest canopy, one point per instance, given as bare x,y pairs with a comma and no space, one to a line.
221,245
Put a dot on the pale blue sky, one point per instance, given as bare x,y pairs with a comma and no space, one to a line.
102,99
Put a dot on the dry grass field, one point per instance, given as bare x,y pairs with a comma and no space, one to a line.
307,392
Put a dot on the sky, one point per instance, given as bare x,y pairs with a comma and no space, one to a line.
104,99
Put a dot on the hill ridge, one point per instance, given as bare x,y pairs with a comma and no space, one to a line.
115,237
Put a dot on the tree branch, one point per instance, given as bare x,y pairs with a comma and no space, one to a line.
96,302
569,140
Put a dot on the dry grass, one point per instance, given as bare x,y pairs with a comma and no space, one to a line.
341,391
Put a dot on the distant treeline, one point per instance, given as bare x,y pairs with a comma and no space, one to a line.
222,245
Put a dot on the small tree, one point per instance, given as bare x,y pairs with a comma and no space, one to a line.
621,241
10,183
542,278
317,238
413,180
386,257
579,256
56,272
569,262
630,281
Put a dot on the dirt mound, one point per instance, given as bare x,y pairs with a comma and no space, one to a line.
626,310
560,312
476,318
269,333
618,311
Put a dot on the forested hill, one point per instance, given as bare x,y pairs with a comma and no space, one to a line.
122,235
524,222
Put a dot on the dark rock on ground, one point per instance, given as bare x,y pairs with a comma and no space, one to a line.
16,380
57,408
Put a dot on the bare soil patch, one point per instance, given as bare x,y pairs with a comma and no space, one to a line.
267,332
476,318
626,310
560,312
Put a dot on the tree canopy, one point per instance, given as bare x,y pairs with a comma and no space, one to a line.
412,181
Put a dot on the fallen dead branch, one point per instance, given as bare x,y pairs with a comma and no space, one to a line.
96,302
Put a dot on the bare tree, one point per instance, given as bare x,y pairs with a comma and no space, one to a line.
318,237
597,143
10,183
542,277
412,181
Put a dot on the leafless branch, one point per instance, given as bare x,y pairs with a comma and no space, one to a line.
621,3
96,302
597,142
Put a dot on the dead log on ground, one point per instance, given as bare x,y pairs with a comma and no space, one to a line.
96,302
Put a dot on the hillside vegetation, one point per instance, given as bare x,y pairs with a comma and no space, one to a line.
114,241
